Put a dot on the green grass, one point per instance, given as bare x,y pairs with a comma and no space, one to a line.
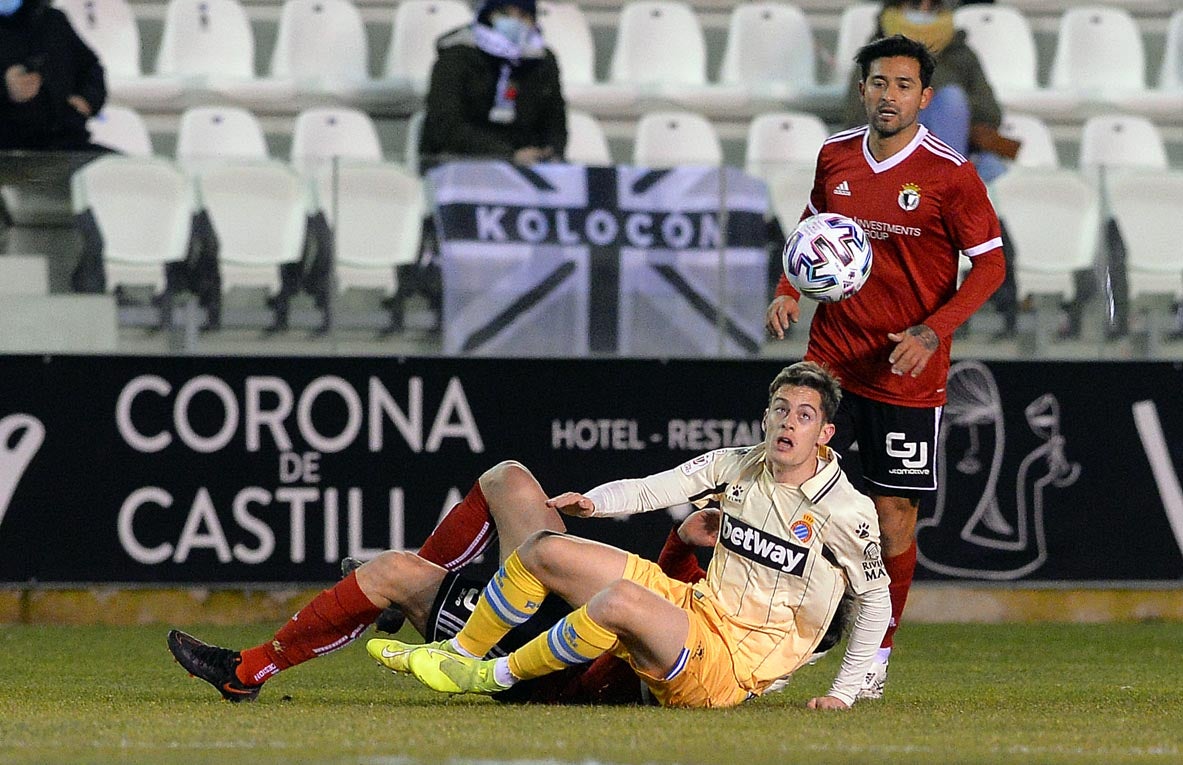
958,693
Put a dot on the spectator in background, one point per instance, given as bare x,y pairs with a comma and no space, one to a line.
963,113
495,91
52,81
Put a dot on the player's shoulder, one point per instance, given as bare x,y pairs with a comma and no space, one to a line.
941,152
721,459
845,141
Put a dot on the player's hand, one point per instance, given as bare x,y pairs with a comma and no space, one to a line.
914,347
782,312
827,702
22,84
529,155
81,105
701,528
572,503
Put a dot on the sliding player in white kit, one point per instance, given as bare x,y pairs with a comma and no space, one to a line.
794,536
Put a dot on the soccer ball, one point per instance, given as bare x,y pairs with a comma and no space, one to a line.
828,257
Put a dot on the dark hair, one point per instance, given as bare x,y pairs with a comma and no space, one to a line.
488,7
896,45
810,374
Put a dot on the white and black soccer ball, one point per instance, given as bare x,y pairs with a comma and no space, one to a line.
827,257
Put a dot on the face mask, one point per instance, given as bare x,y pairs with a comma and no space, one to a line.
919,17
9,7
512,29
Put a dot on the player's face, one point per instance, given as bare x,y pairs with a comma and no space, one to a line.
794,426
892,94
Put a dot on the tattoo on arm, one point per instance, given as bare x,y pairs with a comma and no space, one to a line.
925,335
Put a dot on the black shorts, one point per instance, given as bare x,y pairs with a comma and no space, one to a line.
897,445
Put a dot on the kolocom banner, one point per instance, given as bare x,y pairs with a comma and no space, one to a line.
240,470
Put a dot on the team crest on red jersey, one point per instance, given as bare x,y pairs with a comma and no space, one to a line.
909,197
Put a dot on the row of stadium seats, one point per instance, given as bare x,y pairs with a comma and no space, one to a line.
659,57
662,139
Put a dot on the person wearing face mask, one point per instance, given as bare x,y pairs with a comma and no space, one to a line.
495,91
964,112
52,81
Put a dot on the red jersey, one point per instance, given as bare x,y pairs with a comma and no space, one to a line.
920,208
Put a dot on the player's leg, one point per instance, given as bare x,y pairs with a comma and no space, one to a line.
517,505
333,619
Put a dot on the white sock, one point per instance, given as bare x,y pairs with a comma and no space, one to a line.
882,655
501,672
460,649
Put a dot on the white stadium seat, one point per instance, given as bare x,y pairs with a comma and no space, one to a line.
122,129
1038,149
1099,52
376,219
259,212
1147,206
660,50
783,138
768,60
417,26
208,44
319,135
109,27
1170,75
666,139
1121,140
1004,42
586,143
855,27
567,32
143,208
1054,218
213,134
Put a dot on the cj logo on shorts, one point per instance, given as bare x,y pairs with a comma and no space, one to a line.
21,436
912,455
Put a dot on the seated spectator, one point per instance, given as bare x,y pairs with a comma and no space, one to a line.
495,91
52,81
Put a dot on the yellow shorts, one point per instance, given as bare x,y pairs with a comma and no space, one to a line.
708,679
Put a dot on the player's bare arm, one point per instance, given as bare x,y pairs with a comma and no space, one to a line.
783,312
914,347
572,503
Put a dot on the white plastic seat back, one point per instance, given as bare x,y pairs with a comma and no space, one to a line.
109,28
417,26
1038,148
1121,140
855,27
769,42
320,40
1002,38
1170,75
668,139
568,34
143,208
209,38
1099,48
1054,218
783,138
586,142
789,186
414,137
321,134
1147,206
259,213
211,134
121,129
377,220
659,42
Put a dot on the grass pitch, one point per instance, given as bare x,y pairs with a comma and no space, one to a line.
958,693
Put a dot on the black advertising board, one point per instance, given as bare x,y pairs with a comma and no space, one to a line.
268,470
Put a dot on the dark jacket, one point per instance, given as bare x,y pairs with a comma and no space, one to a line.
41,38
957,64
461,94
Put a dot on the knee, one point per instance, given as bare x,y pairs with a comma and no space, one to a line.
381,575
542,550
506,477
618,605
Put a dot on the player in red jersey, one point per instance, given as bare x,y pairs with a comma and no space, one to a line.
921,203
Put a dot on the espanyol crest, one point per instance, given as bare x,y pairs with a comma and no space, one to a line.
909,198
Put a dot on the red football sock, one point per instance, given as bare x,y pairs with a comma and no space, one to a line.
334,619
900,568
464,533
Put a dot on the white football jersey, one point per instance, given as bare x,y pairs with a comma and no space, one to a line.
785,553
